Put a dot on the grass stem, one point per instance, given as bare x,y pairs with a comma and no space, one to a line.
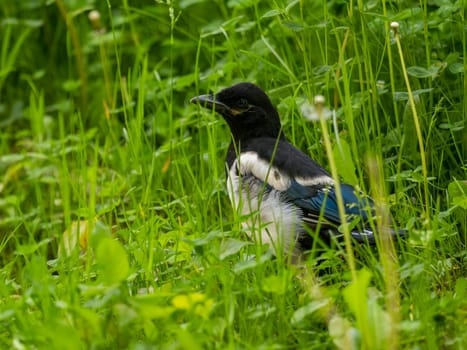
416,123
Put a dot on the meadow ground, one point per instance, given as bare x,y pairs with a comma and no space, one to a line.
115,226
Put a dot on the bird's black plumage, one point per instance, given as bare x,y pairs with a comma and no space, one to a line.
247,110
269,176
281,154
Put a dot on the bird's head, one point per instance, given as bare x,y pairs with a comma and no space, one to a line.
247,110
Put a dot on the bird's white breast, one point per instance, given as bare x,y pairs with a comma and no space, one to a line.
267,218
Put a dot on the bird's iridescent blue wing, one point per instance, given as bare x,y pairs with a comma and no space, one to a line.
323,199
319,206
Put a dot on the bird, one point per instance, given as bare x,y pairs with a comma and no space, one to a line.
282,195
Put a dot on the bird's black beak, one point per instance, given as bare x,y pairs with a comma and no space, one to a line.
210,101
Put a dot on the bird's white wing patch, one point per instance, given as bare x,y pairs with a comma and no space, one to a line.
313,181
249,163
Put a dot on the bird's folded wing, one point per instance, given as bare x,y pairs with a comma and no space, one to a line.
319,201
314,195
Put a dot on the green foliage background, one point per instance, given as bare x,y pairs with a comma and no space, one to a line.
115,227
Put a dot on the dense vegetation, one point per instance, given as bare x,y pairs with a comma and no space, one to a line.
115,225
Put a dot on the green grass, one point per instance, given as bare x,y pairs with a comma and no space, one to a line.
115,226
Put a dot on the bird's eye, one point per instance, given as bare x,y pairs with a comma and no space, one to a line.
242,103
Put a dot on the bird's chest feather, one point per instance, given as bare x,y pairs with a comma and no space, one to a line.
265,215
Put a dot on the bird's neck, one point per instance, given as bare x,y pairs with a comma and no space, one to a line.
255,123
242,144
243,139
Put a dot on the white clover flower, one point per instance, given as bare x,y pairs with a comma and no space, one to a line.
395,27
94,16
95,19
313,112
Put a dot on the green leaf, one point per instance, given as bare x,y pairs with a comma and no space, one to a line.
294,26
261,311
458,193
27,249
252,263
241,4
456,126
343,157
356,294
404,96
186,3
457,68
406,14
420,72
99,232
271,13
199,242
230,247
277,284
343,335
308,309
112,261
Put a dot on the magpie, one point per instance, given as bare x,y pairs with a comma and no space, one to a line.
282,194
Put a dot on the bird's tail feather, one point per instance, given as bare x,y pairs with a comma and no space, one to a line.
367,235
